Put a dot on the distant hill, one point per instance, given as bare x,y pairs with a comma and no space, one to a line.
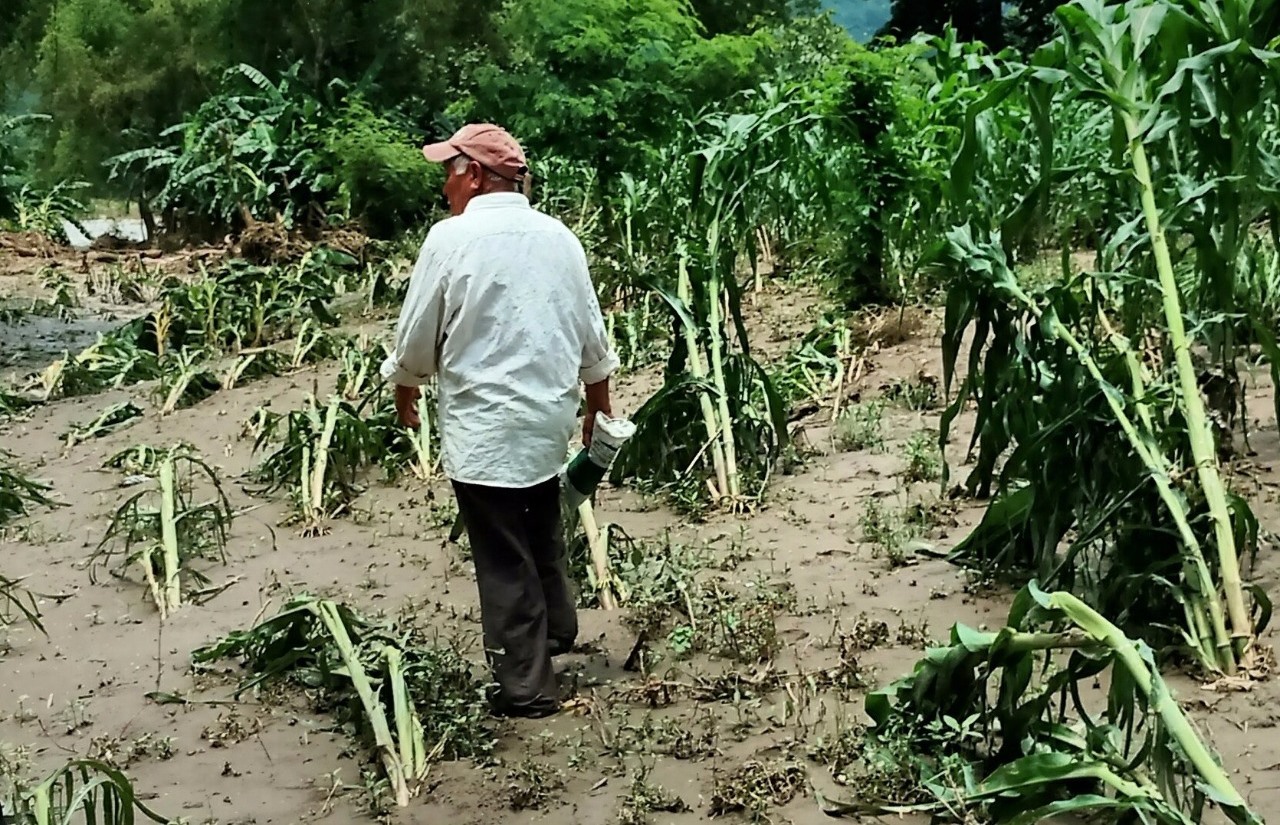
862,18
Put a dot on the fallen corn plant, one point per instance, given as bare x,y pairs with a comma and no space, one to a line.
110,420
318,455
999,726
161,530
82,790
18,493
114,361
187,380
253,364
417,703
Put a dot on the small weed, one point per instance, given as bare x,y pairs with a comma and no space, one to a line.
887,532
861,427
913,635
756,787
644,799
230,729
121,753
919,395
922,459
866,633
875,772
532,784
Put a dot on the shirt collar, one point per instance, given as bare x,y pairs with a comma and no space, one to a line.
496,200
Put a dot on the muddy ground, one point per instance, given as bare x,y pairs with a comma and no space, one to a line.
269,760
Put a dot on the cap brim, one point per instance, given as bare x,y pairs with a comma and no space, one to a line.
439,152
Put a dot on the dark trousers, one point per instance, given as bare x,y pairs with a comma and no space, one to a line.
526,605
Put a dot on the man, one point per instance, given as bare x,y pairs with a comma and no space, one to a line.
501,307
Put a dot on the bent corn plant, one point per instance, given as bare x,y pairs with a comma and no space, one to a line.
161,530
993,725
417,704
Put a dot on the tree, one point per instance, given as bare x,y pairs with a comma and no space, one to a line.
972,19
738,16
605,80
1032,24
1029,24
114,73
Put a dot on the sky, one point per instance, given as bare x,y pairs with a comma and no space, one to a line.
861,17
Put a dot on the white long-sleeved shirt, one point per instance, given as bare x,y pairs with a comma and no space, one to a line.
502,309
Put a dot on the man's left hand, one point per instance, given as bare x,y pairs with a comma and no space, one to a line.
407,406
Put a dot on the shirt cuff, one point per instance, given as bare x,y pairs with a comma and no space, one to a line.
601,369
393,372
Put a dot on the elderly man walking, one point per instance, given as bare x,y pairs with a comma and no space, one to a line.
502,309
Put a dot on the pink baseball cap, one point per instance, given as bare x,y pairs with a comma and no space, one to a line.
490,146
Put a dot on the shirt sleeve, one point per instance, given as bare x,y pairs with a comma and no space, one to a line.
599,361
420,330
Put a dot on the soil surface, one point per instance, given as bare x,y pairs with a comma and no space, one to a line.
267,759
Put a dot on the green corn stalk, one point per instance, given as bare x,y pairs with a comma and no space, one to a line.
413,747
1198,429
699,373
169,540
162,540
716,351
373,709
322,458
1155,691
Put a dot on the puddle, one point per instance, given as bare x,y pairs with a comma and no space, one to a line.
129,229
35,341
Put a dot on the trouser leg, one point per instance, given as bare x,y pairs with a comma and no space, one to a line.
513,609
545,529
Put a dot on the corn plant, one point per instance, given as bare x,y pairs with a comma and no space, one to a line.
114,361
993,726
253,364
110,420
318,455
187,380
14,598
18,492
1090,355
719,412
161,530
82,790
417,703
359,363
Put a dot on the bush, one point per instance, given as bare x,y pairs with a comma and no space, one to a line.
382,178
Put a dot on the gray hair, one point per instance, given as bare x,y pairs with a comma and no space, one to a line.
461,162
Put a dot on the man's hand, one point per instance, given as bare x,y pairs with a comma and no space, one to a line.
597,401
407,406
